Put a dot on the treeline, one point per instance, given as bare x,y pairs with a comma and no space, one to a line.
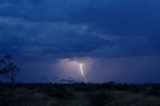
110,86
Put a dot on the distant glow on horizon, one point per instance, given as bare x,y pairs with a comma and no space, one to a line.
82,72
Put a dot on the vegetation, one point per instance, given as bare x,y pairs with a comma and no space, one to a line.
109,94
8,69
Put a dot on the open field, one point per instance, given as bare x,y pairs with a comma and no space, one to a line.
109,94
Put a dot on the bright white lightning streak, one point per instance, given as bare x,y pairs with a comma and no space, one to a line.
82,72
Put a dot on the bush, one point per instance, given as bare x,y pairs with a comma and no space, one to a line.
58,92
155,91
99,98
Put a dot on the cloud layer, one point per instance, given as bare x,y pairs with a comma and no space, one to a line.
132,26
28,38
112,31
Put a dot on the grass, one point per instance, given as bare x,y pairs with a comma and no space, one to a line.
78,95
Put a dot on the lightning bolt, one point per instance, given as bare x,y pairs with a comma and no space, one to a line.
82,72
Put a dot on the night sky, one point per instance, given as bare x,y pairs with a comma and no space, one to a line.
115,40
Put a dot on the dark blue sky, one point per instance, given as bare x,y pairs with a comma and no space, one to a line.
116,40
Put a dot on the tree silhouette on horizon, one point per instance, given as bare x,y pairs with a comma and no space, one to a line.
8,69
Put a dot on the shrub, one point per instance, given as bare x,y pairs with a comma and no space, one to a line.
155,91
58,92
99,98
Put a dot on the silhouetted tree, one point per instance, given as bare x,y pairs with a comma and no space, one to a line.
8,69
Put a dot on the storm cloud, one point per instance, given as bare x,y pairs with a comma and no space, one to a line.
113,33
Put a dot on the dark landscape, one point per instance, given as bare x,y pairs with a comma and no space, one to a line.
79,52
80,94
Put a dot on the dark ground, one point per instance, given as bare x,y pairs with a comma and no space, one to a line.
80,94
